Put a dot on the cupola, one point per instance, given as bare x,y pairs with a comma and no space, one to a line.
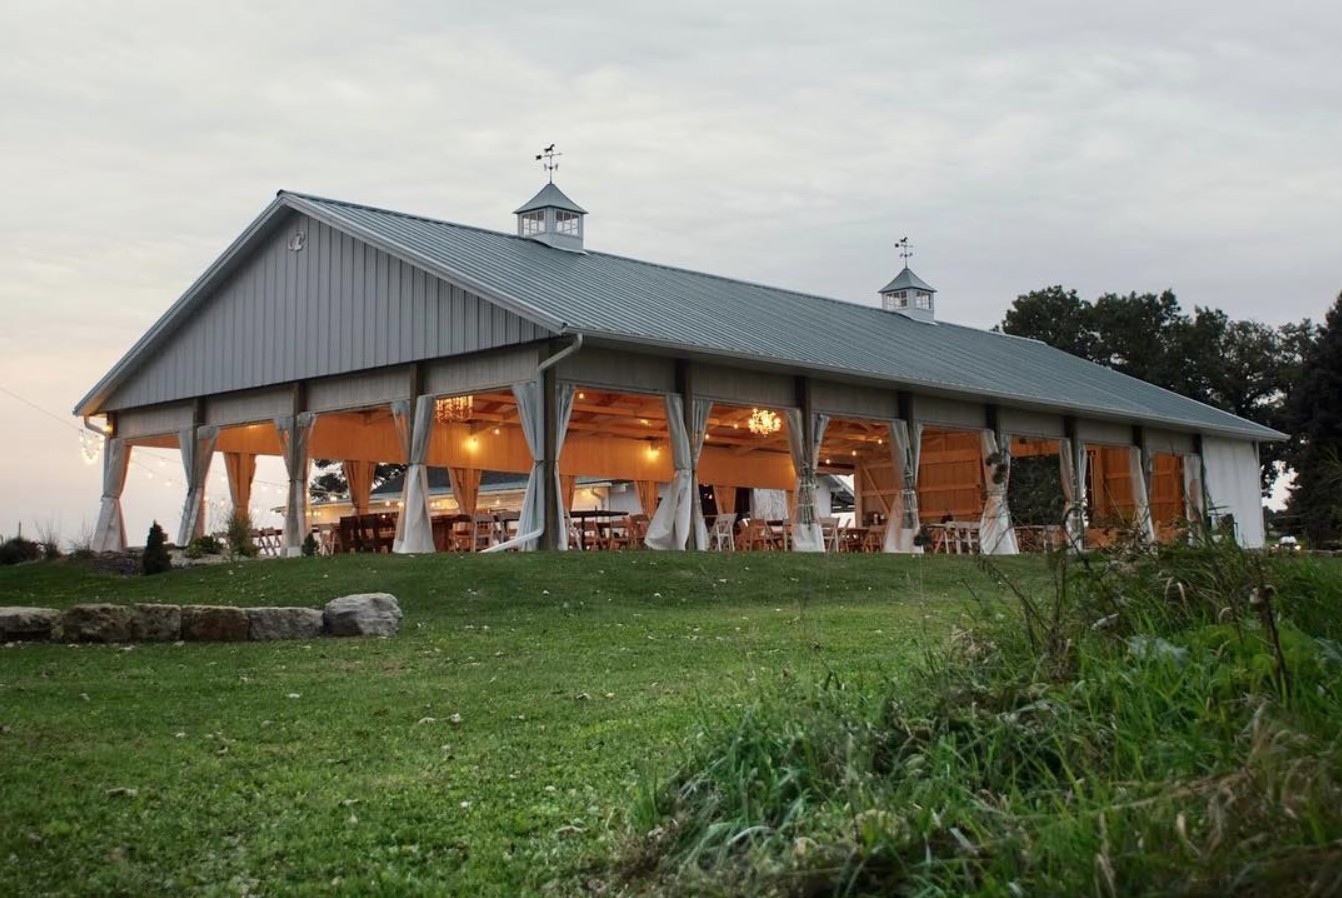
550,217
909,294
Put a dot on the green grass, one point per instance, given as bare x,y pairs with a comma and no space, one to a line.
333,766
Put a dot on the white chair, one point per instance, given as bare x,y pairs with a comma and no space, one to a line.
722,537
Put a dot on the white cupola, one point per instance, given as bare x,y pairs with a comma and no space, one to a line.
911,295
551,218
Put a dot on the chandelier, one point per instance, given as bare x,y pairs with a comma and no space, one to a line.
764,422
453,409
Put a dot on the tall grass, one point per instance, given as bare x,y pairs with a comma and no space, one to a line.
1154,724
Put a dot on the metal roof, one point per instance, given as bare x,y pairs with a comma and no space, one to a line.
602,295
907,280
549,195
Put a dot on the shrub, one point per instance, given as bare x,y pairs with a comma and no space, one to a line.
239,536
206,544
156,559
310,546
17,550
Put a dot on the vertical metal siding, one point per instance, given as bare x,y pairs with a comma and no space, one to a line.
338,306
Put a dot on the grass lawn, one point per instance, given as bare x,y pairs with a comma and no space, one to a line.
336,765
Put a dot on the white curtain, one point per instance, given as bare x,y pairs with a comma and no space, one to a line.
1193,493
563,412
294,432
530,397
197,445
1234,487
806,532
109,534
996,535
906,452
1072,457
359,479
1139,472
241,470
699,412
771,505
402,423
414,529
673,524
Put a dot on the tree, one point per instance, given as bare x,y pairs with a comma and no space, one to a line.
1315,414
1054,316
156,559
331,480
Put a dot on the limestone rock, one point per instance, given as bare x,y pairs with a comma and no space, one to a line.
214,623
27,623
365,614
284,623
156,623
100,622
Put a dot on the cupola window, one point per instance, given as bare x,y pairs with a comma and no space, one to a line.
566,222
533,223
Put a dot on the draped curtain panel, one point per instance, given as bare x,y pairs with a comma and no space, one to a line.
1194,498
197,445
725,497
241,470
1234,488
670,526
647,496
531,415
1072,458
294,433
414,528
996,535
465,488
1140,474
563,412
359,478
700,409
805,447
906,453
109,533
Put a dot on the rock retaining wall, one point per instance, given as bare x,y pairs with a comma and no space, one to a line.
365,614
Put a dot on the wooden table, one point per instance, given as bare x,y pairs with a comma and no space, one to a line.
597,516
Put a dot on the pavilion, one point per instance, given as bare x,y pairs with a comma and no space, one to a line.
341,331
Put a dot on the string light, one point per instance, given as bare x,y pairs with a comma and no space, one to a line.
764,423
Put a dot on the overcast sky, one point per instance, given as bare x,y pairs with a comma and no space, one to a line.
1107,147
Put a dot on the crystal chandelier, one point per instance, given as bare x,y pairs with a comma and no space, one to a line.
764,422
453,409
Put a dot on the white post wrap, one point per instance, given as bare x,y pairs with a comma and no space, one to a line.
414,530
563,412
1139,472
806,533
670,527
1234,487
401,423
294,432
996,535
906,454
109,534
1072,458
699,412
197,445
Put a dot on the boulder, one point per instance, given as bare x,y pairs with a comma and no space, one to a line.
27,623
97,623
156,623
284,623
365,614
214,623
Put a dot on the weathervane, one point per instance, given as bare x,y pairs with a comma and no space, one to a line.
905,250
548,154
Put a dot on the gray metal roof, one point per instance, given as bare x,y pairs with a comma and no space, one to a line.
549,195
602,295
907,280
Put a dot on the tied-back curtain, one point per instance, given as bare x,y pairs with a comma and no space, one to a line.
905,452
563,412
996,536
294,432
402,421
109,534
700,409
1072,458
806,532
465,488
1194,504
197,445
531,415
725,497
359,478
669,528
647,496
414,527
241,470
1139,473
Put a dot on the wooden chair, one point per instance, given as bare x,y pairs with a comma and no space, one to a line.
722,535
874,539
756,536
636,530
485,529
829,532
